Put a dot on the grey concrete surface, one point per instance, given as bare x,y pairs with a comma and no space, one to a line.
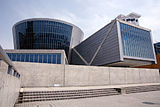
9,87
86,75
145,99
39,74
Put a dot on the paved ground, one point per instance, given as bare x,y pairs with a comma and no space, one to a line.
145,99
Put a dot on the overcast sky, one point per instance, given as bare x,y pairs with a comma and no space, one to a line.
89,15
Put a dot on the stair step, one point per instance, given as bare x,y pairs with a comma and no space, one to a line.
77,94
64,98
73,94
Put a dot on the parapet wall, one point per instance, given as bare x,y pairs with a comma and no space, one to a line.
37,74
9,86
90,75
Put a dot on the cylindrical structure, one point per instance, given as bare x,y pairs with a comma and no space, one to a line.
44,33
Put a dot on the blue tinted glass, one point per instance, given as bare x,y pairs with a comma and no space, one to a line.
44,58
40,58
43,34
49,58
14,57
53,59
27,58
136,42
31,57
18,57
58,58
36,58
9,55
22,57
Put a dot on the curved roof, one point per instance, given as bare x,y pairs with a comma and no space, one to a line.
47,19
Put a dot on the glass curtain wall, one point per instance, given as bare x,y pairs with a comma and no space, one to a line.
136,42
42,34
54,58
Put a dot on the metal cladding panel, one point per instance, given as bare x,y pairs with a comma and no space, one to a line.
109,51
75,59
88,47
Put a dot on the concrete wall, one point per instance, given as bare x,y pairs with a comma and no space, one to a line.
86,75
9,87
36,74
92,75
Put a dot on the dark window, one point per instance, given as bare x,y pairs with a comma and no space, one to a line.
18,57
9,70
36,58
127,20
23,57
44,58
49,58
40,58
27,58
15,73
54,59
31,57
10,56
14,57
59,59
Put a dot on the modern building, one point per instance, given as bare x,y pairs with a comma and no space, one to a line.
31,73
122,42
119,43
44,33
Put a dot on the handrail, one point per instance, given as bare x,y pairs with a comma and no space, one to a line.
6,59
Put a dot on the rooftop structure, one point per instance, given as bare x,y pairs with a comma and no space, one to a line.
131,18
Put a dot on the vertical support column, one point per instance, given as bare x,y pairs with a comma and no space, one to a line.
120,40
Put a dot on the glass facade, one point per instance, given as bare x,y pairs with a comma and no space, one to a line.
53,58
136,42
43,34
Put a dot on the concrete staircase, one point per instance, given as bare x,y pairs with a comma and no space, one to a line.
64,95
138,89
50,95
